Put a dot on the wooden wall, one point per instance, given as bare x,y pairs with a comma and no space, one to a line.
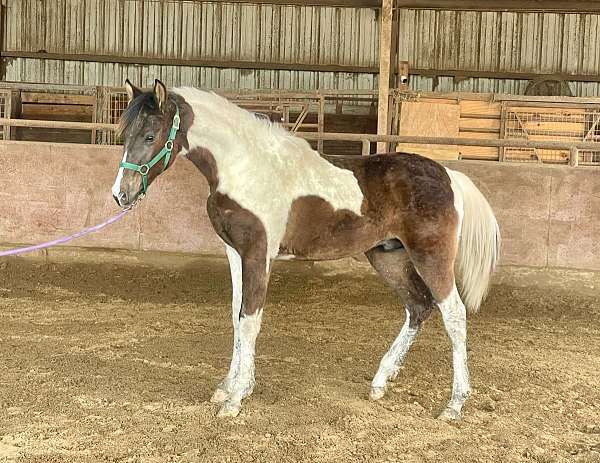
488,116
55,107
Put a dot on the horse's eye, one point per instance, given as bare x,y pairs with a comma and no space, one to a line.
149,138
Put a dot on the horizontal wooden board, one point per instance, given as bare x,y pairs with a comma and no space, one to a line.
56,135
76,113
479,107
480,136
439,101
492,124
439,154
459,96
486,132
479,152
54,98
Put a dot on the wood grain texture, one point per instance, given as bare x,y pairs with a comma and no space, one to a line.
430,119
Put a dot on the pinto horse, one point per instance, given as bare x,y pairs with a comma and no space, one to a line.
273,197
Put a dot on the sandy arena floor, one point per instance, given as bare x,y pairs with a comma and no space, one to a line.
101,363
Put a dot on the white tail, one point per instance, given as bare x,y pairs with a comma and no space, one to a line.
479,241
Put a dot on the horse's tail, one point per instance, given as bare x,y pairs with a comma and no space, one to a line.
479,241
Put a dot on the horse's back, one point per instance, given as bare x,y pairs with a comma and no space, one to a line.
404,178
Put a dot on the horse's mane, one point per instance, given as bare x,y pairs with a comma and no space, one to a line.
145,100
220,108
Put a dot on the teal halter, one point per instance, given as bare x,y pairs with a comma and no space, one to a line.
165,152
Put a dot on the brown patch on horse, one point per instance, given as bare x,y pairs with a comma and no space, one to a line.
242,230
407,197
205,163
315,231
200,157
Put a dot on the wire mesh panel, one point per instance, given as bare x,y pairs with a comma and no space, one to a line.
551,124
592,134
111,104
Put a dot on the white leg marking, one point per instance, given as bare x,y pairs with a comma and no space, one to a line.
116,188
455,320
393,359
243,384
235,267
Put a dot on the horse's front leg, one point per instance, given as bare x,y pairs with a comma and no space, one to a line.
235,266
255,276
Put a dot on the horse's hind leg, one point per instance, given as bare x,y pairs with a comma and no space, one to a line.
454,315
438,274
397,270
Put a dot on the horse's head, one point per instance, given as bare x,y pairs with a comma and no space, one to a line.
150,127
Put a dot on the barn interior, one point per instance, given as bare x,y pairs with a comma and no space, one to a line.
112,344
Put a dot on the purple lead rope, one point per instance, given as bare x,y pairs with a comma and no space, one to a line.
66,239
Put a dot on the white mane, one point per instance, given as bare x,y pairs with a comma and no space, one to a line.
262,166
221,115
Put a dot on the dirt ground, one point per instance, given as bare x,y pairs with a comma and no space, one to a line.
107,363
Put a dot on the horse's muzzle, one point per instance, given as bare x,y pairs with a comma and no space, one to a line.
121,199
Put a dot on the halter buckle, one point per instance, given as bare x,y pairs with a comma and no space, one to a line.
144,169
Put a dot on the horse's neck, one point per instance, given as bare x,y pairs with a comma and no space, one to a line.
219,150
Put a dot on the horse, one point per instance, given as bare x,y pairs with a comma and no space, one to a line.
423,227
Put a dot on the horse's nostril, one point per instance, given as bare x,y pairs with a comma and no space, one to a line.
121,199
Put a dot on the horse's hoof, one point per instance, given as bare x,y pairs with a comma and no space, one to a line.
219,396
377,393
229,410
449,414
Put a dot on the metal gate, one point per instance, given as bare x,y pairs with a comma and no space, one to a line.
554,123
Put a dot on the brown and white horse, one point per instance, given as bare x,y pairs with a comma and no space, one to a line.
273,197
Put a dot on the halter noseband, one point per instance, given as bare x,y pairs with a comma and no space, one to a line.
165,152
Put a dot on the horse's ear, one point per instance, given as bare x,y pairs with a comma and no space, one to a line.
160,91
132,90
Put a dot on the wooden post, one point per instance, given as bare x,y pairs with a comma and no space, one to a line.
501,150
385,55
573,156
366,147
95,115
321,122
